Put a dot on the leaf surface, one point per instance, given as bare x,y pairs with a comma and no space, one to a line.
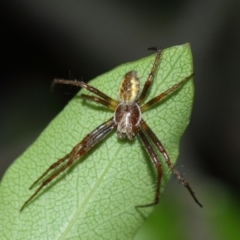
96,198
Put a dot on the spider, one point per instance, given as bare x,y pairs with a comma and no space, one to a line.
128,122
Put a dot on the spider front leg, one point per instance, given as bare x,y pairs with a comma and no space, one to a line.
157,164
163,151
55,165
79,150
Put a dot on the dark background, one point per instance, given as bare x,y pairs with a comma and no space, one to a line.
41,40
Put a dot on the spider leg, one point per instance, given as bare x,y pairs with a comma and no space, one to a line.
156,163
150,76
111,101
162,150
99,100
74,151
79,150
164,94
53,166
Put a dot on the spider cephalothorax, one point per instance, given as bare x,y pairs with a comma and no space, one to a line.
128,122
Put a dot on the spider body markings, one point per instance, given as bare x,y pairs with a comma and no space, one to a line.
128,122
127,115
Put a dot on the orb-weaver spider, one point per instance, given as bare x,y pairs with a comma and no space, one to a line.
128,122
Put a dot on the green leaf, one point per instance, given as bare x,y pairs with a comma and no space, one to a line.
96,198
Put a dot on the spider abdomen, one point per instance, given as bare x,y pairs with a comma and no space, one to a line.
127,117
129,88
